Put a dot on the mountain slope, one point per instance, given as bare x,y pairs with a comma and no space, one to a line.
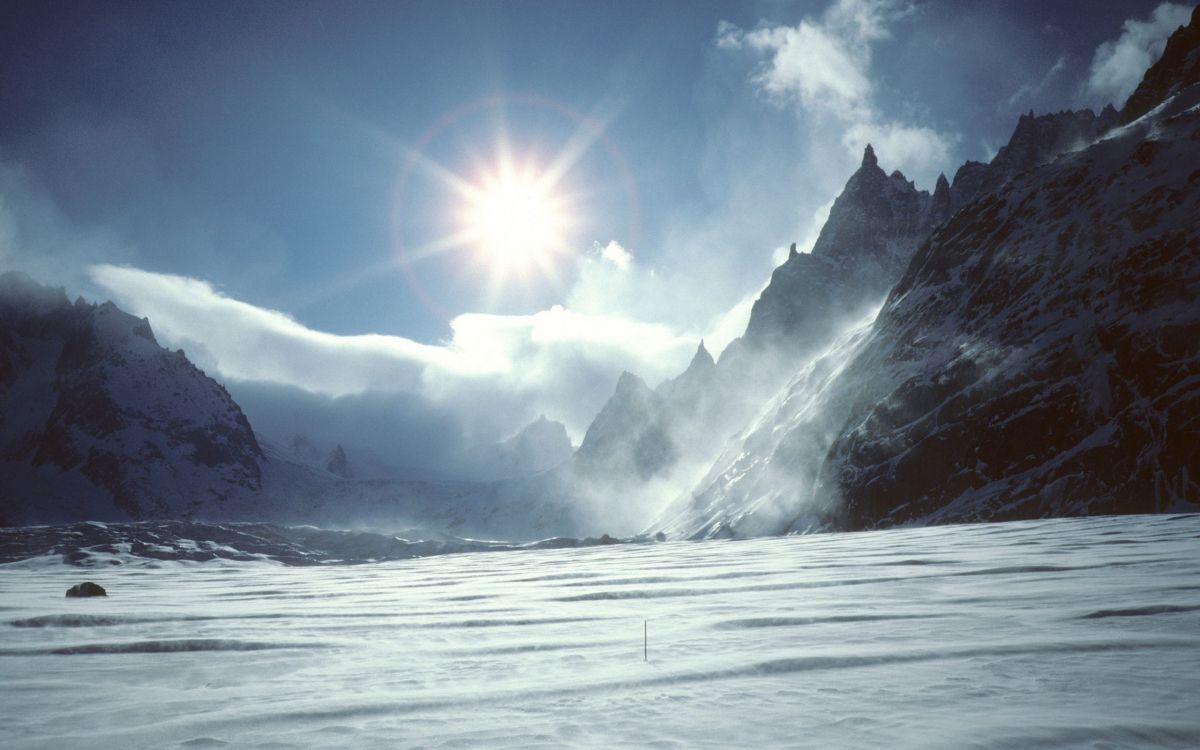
1037,358
1053,335
97,420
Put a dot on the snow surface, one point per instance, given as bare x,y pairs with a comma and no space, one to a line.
1064,633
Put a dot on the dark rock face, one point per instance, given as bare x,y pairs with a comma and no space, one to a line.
1178,67
99,421
873,229
1035,141
87,588
1039,354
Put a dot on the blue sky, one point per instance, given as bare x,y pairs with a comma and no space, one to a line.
187,158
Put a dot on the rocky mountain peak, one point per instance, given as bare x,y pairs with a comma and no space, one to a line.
941,205
701,360
869,161
1178,67
1036,140
630,384
627,438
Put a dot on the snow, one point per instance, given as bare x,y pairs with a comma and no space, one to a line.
1065,633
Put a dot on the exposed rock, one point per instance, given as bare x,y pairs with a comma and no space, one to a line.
1036,140
874,227
1038,358
87,588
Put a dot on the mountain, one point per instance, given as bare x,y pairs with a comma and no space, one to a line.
98,421
669,435
1035,141
873,229
539,446
1037,357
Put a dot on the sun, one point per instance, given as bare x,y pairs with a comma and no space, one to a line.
516,219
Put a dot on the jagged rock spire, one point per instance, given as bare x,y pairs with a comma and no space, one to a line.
869,159
940,206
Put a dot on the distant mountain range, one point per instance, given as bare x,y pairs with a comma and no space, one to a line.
1019,343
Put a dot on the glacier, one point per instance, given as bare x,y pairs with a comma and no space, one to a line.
1081,632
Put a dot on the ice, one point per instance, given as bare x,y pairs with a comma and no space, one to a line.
1064,633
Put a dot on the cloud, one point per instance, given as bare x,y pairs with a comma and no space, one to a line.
252,343
1118,65
37,238
903,144
1031,90
809,64
496,372
822,66
617,255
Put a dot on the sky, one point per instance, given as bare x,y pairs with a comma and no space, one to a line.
316,200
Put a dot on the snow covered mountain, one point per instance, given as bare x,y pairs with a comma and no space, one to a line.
1037,358
646,442
873,229
98,421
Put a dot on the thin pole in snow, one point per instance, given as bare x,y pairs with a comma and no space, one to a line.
645,640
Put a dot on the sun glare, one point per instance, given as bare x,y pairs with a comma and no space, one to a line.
516,220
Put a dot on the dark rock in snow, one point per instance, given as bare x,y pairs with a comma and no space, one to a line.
87,588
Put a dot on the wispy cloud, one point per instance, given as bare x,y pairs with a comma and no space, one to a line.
823,67
495,371
1031,90
1118,65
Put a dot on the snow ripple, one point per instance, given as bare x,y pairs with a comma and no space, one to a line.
999,636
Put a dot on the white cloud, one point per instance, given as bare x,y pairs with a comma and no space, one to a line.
617,255
1118,65
812,65
909,148
1031,90
823,67
495,373
251,343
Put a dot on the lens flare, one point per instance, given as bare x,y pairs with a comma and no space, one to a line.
516,220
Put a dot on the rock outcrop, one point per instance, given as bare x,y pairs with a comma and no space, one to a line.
85,589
